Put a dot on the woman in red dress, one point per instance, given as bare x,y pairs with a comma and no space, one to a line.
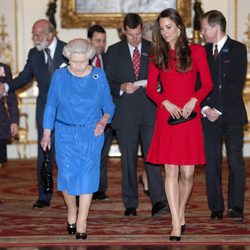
176,63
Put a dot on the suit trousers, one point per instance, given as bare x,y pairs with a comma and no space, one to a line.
42,195
128,139
232,135
104,158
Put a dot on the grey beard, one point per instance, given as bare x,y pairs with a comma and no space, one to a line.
41,46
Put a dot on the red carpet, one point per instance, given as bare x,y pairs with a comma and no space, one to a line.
23,226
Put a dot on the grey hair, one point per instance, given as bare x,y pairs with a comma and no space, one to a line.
147,26
147,30
79,46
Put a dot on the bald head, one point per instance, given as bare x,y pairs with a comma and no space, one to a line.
43,33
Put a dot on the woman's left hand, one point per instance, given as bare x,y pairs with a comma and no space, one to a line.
188,107
99,129
100,126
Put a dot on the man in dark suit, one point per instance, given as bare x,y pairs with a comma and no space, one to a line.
127,62
224,116
40,65
97,37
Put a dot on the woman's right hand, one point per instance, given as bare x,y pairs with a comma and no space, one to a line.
174,110
46,141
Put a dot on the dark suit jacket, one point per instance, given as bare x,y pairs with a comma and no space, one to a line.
11,115
36,68
130,108
229,75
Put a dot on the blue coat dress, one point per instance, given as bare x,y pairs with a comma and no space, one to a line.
74,106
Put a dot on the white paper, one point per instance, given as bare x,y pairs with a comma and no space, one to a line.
141,83
217,111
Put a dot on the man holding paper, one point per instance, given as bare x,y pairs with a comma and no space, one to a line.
127,70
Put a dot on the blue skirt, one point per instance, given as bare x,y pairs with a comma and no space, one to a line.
78,155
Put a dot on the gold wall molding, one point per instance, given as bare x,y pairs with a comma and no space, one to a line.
70,18
235,19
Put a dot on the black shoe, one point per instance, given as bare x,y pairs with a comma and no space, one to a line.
183,228
82,236
100,195
71,228
143,186
41,204
175,238
236,214
159,208
130,211
216,215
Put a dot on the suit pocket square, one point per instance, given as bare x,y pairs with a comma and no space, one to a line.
226,61
172,121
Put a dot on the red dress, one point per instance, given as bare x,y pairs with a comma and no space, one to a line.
180,144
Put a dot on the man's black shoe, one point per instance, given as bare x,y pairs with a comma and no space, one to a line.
130,211
100,195
216,215
236,214
159,208
41,204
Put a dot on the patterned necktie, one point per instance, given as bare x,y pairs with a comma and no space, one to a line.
98,61
136,62
216,52
49,61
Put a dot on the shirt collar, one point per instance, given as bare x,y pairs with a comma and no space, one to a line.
220,43
131,49
52,47
94,59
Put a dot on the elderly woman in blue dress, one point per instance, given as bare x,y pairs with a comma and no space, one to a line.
79,106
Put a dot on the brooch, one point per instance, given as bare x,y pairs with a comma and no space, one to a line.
95,76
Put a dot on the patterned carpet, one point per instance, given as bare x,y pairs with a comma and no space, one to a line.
23,226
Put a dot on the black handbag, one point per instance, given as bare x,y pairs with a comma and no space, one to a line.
45,174
172,121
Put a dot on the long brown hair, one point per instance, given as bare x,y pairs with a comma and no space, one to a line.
160,47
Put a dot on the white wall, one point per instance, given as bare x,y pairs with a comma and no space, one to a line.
32,10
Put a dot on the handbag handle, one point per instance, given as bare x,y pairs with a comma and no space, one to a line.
46,155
